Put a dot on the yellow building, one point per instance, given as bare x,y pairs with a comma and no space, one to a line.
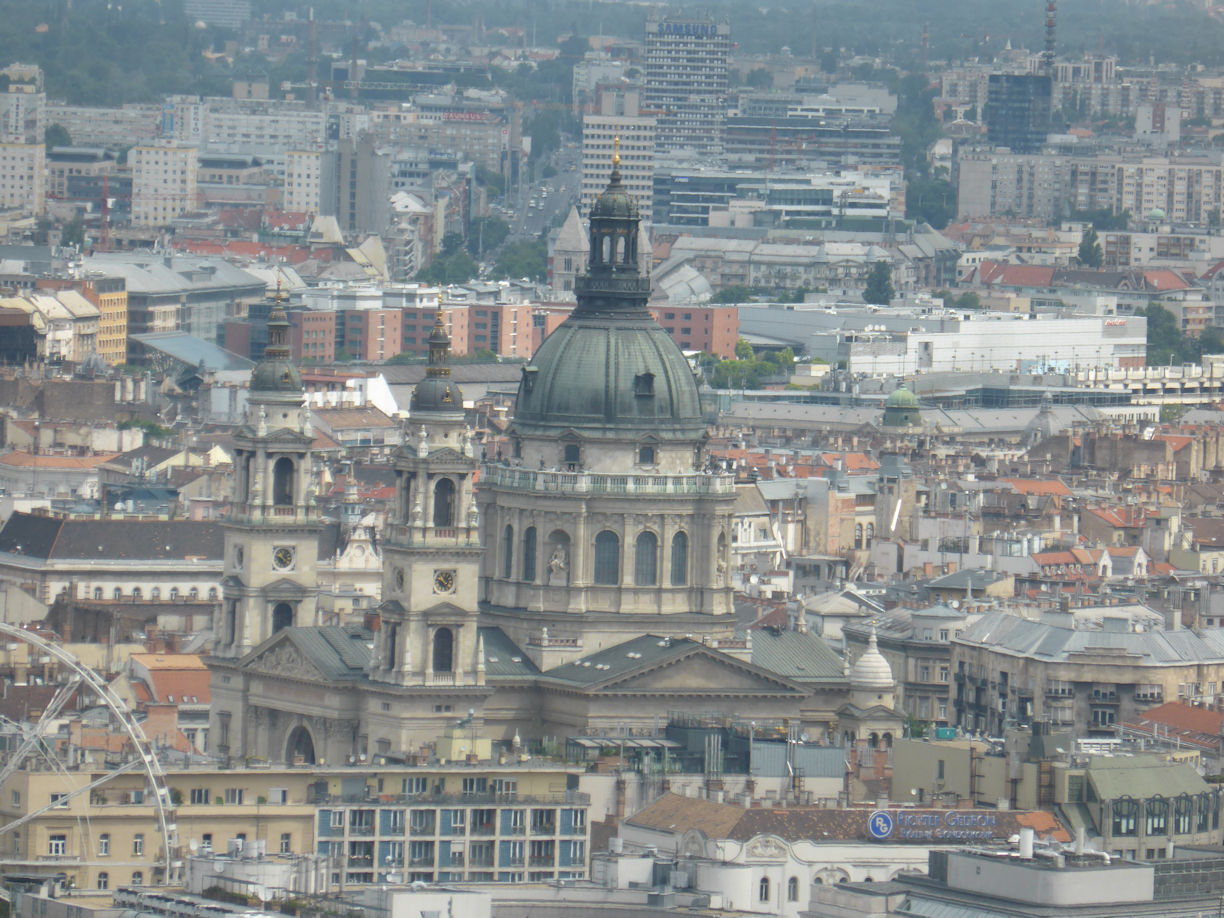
109,294
439,823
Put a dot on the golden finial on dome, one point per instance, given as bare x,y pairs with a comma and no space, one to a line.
616,151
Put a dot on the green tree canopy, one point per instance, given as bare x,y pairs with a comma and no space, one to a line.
486,234
931,200
736,293
57,135
879,290
1090,253
527,259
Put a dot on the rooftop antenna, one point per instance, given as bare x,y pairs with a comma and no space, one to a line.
1047,56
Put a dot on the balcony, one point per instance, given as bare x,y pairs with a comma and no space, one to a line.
1104,697
520,479
542,860
360,863
361,830
424,861
483,828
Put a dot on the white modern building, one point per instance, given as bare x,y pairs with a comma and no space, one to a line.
164,183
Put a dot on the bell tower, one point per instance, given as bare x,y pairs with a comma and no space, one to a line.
272,531
431,556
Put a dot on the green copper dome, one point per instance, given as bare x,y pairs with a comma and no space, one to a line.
436,392
901,398
615,202
609,377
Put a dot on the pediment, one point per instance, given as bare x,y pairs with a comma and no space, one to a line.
446,612
445,454
279,656
700,672
284,588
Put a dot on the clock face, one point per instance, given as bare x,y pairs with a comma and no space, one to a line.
444,581
282,558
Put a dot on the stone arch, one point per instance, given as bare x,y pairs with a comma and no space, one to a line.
831,876
300,744
444,504
646,559
282,616
283,474
443,651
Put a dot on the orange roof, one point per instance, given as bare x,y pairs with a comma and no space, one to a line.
1033,486
1182,716
1164,279
1044,824
169,661
994,272
23,459
1118,517
1175,441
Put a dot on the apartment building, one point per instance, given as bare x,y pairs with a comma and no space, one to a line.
164,183
109,296
709,329
303,181
440,823
686,82
369,334
619,128
23,183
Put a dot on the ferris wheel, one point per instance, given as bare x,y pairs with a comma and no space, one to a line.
33,743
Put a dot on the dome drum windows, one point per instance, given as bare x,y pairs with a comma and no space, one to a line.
646,560
607,559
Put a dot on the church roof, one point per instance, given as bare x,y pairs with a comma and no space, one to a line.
572,236
804,657
503,657
338,653
48,538
639,653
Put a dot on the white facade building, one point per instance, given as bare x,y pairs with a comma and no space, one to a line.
303,181
636,135
164,183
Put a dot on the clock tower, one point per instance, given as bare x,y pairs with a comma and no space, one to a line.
431,555
272,531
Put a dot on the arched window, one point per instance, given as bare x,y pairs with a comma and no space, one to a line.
646,560
529,554
282,616
572,454
870,535
873,740
1157,816
792,889
97,592
444,504
1183,815
104,880
858,535
300,744
1125,816
155,594
679,559
607,558
118,594
508,552
282,482
212,594
443,651
193,593
136,594
174,593
763,889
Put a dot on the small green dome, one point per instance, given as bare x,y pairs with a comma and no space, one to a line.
901,398
276,376
615,202
436,393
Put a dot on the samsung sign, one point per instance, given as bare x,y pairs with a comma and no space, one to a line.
687,28
950,825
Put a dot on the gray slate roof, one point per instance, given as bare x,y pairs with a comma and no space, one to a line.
340,654
795,655
191,350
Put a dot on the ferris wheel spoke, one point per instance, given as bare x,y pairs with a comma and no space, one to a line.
39,729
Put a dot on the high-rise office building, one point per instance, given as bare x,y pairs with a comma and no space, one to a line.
164,183
618,128
1018,111
686,82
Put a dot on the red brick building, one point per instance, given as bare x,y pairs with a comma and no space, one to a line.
712,329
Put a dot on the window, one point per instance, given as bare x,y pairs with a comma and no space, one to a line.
679,559
103,880
411,786
138,845
443,650
104,845
59,801
646,455
1157,816
508,552
607,558
198,795
138,878
444,504
97,594
336,821
646,560
1183,815
233,795
1125,816
529,554
792,889
397,821
517,820
572,455
763,890
286,845
858,535
57,845
943,667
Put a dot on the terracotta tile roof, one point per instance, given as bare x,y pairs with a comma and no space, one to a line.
22,459
1119,517
1165,279
1181,716
1178,443
1041,487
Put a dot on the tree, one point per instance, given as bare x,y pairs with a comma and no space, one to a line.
931,200
527,259
1090,254
736,293
879,290
760,78
452,243
73,232
486,234
457,268
57,135
743,350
